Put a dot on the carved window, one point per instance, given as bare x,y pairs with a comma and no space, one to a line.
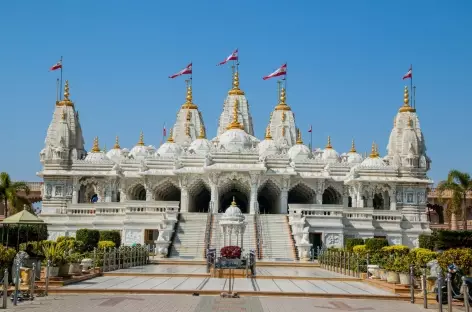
409,198
58,190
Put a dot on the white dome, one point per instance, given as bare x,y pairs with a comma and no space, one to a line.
115,154
267,147
235,140
200,146
139,152
233,213
330,155
373,162
169,149
299,152
96,157
354,158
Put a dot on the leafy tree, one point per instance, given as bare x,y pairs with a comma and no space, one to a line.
458,183
9,191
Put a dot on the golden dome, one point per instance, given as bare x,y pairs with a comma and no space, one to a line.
353,147
189,104
141,139
95,147
299,137
236,90
66,101
282,105
117,143
235,123
268,136
329,143
406,103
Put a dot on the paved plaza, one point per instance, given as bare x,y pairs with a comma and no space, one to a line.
260,270
186,303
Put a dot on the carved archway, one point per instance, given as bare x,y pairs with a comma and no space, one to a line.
199,196
88,190
331,196
236,188
137,192
268,197
166,190
301,193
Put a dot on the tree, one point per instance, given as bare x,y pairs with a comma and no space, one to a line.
9,191
458,183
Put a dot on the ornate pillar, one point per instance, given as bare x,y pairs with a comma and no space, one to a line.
213,177
320,187
284,195
184,193
370,201
122,191
75,190
393,198
254,186
345,196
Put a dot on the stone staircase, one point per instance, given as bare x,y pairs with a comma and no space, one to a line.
277,243
249,233
189,239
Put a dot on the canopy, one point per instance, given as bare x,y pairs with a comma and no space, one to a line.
23,217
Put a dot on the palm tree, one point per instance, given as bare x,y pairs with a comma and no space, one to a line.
9,190
458,183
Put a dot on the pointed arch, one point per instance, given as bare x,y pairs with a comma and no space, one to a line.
199,196
166,190
331,196
268,197
234,188
301,193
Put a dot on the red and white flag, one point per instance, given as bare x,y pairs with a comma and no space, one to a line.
409,74
56,66
310,130
186,71
232,57
282,71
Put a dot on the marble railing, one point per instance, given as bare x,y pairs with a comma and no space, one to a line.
317,210
387,215
122,208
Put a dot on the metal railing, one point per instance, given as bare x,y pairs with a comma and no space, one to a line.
259,240
209,224
110,259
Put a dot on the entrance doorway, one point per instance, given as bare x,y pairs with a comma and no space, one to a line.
268,198
315,239
237,189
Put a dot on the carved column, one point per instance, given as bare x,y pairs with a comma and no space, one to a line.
284,195
320,187
254,187
75,190
345,196
393,199
184,193
122,191
215,198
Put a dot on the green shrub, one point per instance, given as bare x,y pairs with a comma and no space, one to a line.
89,238
360,250
64,238
106,244
396,250
375,244
351,242
27,233
426,241
462,257
422,256
446,239
113,236
7,255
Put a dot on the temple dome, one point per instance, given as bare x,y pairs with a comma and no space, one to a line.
116,154
140,151
268,145
96,155
353,157
169,148
299,151
201,145
235,139
329,153
374,159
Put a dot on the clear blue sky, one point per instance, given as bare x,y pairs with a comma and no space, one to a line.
345,62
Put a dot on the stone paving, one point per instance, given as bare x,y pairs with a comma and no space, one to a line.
186,303
137,283
261,271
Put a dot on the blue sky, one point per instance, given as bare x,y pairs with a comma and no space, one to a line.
345,63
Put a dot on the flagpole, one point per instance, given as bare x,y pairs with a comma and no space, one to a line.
411,84
61,78
57,90
311,138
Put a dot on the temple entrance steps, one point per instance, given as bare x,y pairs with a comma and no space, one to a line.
189,241
217,239
277,243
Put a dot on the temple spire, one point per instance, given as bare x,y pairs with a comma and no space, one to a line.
189,98
66,101
353,147
406,102
329,143
299,137
95,147
268,136
141,139
374,152
282,105
235,123
235,90
117,143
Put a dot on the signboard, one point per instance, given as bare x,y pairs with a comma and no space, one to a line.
225,263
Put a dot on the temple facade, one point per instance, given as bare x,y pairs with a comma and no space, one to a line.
173,195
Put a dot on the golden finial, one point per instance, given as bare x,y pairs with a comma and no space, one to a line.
406,102
329,143
282,105
235,123
410,122
141,139
170,139
299,137
353,147
63,115
236,90
189,98
95,147
189,115
202,132
117,143
268,136
233,203
283,116
66,101
283,131
374,153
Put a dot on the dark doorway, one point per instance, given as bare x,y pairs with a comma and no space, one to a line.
241,200
315,239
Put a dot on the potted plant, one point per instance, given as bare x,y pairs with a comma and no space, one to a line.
231,252
53,253
74,263
402,267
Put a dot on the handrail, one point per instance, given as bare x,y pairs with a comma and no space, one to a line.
257,218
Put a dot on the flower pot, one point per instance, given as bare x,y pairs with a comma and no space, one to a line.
376,273
53,271
64,269
383,274
392,277
404,278
74,269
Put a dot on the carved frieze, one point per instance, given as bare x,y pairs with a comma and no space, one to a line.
133,237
